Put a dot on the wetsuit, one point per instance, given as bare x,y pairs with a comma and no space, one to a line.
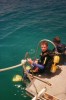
45,61
61,49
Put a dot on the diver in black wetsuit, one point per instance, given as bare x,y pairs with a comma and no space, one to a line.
61,49
45,61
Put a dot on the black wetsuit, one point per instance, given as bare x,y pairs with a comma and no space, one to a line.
61,49
46,59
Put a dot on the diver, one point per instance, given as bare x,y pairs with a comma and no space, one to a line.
43,64
47,63
61,49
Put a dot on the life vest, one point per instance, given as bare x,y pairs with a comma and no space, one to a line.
45,57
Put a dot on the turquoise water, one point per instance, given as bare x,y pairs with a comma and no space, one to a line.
23,23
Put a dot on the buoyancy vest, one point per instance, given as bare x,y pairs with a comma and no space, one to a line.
61,48
45,58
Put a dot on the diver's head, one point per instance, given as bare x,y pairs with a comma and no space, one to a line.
44,46
56,40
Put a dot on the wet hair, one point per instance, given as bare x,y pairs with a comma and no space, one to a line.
57,40
44,42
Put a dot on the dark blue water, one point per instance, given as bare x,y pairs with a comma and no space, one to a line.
23,23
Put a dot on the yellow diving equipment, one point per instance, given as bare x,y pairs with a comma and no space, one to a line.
56,60
53,68
17,78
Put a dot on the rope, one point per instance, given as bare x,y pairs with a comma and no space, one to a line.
9,68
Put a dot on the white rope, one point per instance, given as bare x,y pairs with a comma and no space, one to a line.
22,63
5,69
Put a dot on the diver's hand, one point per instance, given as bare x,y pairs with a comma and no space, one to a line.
29,60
